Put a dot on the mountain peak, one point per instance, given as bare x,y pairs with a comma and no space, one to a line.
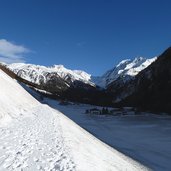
123,62
126,68
58,66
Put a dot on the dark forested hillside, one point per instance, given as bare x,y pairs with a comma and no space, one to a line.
152,86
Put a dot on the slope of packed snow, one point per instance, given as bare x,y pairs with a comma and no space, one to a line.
10,99
37,73
41,138
146,137
126,69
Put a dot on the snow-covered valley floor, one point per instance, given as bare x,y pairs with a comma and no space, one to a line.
33,136
145,137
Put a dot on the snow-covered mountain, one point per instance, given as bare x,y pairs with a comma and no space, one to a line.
41,74
126,70
151,88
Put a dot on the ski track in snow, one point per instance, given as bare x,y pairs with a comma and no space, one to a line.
34,142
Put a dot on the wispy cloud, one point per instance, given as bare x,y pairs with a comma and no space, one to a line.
11,52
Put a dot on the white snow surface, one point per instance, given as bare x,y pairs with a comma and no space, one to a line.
127,69
145,137
37,137
35,73
10,99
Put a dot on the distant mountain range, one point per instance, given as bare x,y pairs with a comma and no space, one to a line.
126,69
41,74
140,82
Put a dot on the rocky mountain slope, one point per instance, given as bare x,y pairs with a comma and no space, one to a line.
41,74
151,88
125,70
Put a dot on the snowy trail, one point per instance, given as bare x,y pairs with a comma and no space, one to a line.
34,143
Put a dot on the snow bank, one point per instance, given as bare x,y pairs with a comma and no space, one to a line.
13,98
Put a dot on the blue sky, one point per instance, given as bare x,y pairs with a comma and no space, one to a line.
92,35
